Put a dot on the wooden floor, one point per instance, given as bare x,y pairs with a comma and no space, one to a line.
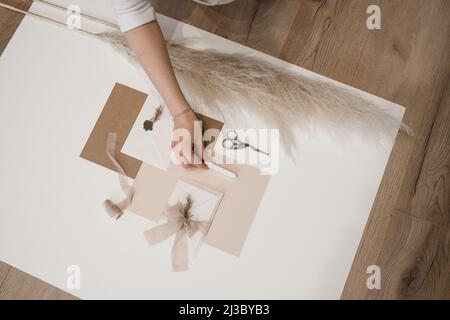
408,62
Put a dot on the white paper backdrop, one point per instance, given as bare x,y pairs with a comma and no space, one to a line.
53,85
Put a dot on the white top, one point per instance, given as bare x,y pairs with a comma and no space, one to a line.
133,13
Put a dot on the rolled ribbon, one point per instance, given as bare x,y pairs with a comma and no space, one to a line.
183,228
115,210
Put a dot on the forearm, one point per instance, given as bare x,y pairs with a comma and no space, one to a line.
149,46
137,20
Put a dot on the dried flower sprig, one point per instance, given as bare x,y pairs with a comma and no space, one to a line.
148,124
187,207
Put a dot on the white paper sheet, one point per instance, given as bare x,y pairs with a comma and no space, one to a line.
53,86
152,146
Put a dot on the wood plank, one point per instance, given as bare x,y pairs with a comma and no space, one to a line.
232,21
429,195
434,187
414,78
416,254
20,286
271,24
4,270
262,25
415,261
9,21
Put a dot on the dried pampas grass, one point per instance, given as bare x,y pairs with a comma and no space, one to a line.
221,84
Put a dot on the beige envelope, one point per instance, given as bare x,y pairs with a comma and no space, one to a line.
236,212
153,186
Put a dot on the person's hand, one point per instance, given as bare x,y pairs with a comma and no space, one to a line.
187,141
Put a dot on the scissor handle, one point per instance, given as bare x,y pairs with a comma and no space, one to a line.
233,144
232,135
228,144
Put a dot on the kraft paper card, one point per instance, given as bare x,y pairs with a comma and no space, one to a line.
118,115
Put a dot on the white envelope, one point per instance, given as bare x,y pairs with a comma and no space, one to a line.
151,147
205,203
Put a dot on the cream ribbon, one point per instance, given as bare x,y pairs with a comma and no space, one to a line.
115,210
183,228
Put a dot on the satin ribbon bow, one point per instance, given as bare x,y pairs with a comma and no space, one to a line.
183,227
177,223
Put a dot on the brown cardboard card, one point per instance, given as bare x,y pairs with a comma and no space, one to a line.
119,115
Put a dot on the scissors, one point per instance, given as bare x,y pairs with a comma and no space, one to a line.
232,142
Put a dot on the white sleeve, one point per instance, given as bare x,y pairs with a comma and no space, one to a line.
133,13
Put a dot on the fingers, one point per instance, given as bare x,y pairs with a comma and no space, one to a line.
178,154
188,154
197,155
189,157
